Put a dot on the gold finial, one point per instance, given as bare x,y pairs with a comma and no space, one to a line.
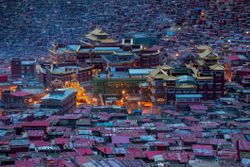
74,77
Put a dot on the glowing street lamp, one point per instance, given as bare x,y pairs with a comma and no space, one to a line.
177,55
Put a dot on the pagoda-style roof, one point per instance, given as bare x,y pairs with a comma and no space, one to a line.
202,48
201,62
209,55
165,67
196,72
217,67
158,74
98,32
169,78
161,72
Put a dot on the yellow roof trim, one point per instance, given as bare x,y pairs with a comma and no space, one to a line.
98,31
206,53
204,78
217,67
171,78
108,40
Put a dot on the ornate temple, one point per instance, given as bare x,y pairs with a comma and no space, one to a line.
98,35
205,77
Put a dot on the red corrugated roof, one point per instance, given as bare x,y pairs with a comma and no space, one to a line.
20,94
135,153
61,141
233,58
25,163
81,160
105,149
182,157
244,146
41,143
84,151
150,154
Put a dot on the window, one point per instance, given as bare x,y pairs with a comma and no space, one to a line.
196,100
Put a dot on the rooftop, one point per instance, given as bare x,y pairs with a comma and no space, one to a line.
136,72
188,96
59,94
28,62
21,94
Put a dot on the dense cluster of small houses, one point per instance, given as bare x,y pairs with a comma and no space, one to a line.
137,50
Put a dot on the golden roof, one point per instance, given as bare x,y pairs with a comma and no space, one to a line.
196,72
201,62
161,72
159,76
209,55
85,42
166,67
170,77
108,40
158,73
97,31
217,67
202,48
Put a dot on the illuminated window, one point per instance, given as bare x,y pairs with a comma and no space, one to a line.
160,100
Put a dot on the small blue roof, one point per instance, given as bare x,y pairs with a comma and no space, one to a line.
107,49
144,71
73,47
188,96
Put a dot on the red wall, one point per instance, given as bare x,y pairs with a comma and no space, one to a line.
3,78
